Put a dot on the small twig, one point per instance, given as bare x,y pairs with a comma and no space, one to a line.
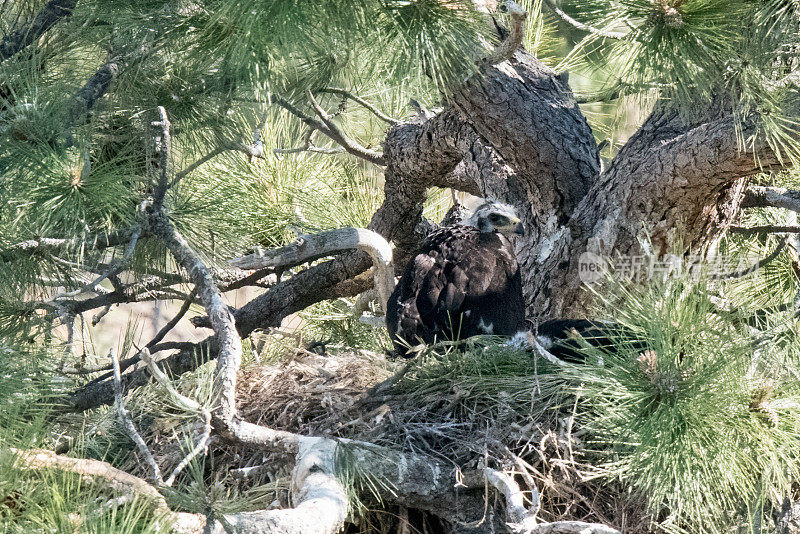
375,111
243,473
389,382
99,315
125,418
185,403
604,95
172,322
117,266
581,26
308,146
202,161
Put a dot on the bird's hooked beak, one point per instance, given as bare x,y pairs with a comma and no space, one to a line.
519,229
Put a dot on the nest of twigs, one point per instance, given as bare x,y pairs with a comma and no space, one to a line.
487,405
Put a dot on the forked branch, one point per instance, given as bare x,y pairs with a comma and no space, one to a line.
312,247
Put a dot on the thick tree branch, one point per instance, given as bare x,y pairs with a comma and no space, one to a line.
311,247
53,12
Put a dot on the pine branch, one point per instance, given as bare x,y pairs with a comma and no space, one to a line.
86,98
49,245
330,129
581,26
127,423
200,162
308,146
764,229
604,95
753,268
338,135
53,12
355,98
513,41
164,153
757,196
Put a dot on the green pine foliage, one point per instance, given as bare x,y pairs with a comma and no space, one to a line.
704,423
698,54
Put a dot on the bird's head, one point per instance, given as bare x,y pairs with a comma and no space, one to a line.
492,216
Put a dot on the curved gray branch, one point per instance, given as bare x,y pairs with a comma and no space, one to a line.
311,247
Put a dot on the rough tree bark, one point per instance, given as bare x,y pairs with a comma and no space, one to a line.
515,132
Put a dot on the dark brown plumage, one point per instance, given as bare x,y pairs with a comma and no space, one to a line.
463,281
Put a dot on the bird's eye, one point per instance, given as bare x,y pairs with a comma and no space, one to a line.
494,217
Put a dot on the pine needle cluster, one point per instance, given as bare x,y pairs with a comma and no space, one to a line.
703,424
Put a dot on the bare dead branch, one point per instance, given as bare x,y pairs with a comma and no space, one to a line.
310,247
338,135
513,41
604,95
308,146
581,26
172,322
200,162
516,512
53,12
99,315
127,423
372,109
187,404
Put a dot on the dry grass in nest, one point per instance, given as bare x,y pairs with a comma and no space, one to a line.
309,393
511,418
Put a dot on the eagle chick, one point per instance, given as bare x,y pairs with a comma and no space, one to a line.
463,281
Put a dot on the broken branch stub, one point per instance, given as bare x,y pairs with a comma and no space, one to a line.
315,246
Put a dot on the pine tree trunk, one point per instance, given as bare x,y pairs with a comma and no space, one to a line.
517,134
